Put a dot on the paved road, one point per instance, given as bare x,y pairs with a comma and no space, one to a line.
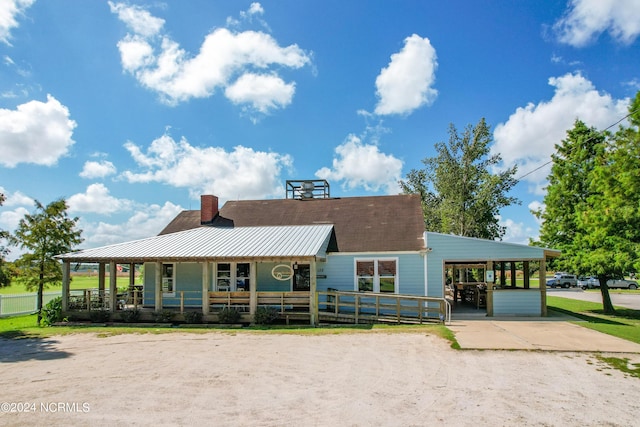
627,300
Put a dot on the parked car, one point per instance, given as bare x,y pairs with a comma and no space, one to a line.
622,283
588,282
563,281
617,283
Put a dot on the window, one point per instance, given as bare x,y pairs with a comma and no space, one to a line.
168,280
231,276
376,275
301,277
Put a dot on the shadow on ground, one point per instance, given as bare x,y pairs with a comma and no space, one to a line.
18,347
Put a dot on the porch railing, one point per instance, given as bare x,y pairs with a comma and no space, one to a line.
283,301
373,307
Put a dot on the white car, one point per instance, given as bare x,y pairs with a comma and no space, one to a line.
622,283
618,283
588,282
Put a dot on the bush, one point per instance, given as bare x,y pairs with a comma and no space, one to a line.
52,312
228,315
100,316
265,315
163,316
130,316
193,316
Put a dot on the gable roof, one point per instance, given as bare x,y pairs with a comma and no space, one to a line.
208,243
361,224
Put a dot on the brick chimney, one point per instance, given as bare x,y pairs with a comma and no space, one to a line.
208,208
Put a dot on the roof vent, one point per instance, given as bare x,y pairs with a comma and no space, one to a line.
308,189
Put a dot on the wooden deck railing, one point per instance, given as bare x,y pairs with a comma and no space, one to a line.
284,301
375,307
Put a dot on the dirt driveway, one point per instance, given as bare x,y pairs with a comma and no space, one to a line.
373,378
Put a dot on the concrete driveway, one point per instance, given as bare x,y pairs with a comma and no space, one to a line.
536,334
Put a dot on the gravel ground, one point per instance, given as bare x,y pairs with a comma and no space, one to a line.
368,379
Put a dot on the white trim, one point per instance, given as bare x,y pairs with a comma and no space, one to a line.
173,280
233,276
376,275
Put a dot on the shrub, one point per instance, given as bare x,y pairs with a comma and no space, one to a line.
130,316
99,316
193,316
52,312
265,315
228,315
163,316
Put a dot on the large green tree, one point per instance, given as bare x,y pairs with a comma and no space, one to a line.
592,206
5,276
47,232
460,193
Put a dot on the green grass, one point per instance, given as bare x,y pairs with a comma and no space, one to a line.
77,282
26,327
625,324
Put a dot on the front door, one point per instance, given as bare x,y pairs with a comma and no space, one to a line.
301,277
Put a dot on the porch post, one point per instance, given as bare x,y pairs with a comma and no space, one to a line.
158,284
490,266
253,289
113,290
313,297
132,276
512,265
101,280
525,267
205,288
66,275
542,279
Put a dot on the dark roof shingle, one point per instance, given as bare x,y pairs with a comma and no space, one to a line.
361,224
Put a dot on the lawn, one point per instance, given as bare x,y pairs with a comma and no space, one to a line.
77,282
26,327
625,324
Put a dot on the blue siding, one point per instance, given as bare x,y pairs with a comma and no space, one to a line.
340,272
520,302
188,278
444,247
266,282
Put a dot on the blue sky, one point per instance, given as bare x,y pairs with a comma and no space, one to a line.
131,110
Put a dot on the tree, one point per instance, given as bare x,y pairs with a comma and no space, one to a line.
44,234
460,195
5,275
592,206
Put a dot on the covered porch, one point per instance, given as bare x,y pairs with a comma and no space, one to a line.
208,269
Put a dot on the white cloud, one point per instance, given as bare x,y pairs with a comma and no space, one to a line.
9,218
137,19
97,200
36,132
16,199
406,84
363,165
585,20
517,232
9,10
262,92
528,138
148,220
239,174
99,169
226,61
255,9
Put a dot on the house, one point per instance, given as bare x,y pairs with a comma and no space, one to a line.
310,253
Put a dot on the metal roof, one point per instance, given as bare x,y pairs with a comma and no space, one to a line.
217,243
